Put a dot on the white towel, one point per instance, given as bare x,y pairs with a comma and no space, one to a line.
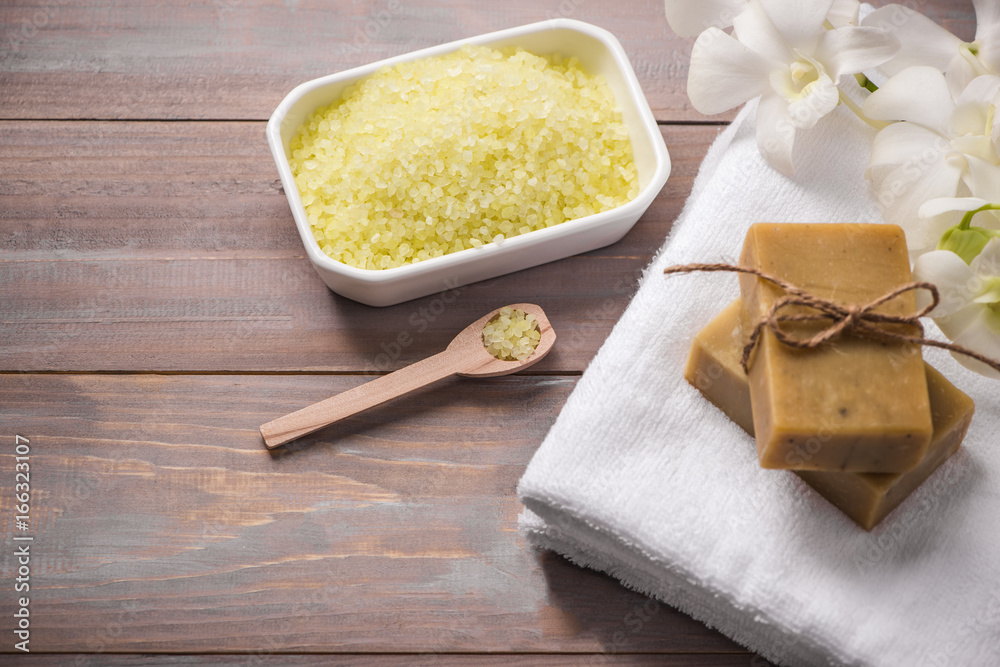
642,478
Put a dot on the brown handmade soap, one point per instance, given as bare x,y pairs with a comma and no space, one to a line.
867,498
853,404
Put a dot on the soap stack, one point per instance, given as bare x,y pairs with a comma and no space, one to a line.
864,422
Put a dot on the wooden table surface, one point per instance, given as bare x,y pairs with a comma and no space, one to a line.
157,307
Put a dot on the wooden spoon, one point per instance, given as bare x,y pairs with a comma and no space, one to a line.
465,355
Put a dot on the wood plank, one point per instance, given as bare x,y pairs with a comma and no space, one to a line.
172,249
161,524
236,59
405,660
262,314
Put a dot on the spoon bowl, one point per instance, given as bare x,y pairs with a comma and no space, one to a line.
466,355
469,343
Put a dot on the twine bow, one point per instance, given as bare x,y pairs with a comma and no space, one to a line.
850,319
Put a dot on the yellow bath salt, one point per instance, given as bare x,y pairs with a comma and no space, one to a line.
442,154
511,335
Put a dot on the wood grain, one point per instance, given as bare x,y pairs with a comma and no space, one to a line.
161,524
171,249
143,232
236,59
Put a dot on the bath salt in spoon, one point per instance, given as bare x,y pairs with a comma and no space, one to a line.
466,355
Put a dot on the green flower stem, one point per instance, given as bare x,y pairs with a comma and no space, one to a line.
865,82
967,218
850,104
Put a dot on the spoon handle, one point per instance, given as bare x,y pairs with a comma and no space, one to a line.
362,397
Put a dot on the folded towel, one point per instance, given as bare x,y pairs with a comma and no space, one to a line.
642,478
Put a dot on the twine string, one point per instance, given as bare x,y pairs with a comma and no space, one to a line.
853,319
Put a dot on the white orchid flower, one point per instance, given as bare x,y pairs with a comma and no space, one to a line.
781,51
928,156
688,18
969,311
926,43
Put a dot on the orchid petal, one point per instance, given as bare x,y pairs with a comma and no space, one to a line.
756,30
987,16
960,73
982,90
688,19
991,295
800,23
923,41
989,54
917,94
850,50
988,33
844,12
951,275
972,110
775,133
995,134
980,332
978,146
904,144
987,263
953,325
723,73
984,180
935,207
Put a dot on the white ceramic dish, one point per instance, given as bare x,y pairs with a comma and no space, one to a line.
599,52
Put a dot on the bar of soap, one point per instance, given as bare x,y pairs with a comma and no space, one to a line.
714,369
853,404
